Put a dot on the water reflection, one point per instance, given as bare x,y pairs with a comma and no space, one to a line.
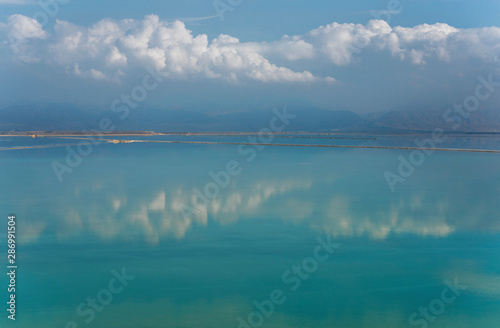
329,192
123,208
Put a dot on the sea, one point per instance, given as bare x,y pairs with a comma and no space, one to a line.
237,231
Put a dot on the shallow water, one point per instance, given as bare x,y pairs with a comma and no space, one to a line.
130,206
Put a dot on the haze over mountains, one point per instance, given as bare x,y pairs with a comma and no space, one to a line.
65,117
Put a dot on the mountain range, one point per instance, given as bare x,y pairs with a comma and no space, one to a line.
70,117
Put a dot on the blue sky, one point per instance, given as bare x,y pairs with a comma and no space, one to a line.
280,51
260,19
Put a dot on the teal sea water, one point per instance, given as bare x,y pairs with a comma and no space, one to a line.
296,237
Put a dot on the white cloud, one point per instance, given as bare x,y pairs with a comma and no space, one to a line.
168,47
290,48
92,74
20,27
21,34
109,49
116,58
339,42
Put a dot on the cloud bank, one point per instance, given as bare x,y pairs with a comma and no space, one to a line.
110,49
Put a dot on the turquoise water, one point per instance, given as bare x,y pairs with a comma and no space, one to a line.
221,264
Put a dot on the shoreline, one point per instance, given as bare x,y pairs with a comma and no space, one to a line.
289,134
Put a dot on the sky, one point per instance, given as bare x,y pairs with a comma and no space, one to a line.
230,55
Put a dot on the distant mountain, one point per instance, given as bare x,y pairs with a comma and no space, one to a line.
59,117
64,117
487,120
46,117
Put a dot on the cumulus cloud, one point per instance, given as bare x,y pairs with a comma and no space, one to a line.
21,34
19,28
108,49
340,43
104,50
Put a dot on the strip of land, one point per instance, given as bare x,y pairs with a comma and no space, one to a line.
125,141
284,134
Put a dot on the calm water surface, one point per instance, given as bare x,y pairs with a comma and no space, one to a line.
132,208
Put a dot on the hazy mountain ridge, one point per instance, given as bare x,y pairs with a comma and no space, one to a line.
58,117
487,120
